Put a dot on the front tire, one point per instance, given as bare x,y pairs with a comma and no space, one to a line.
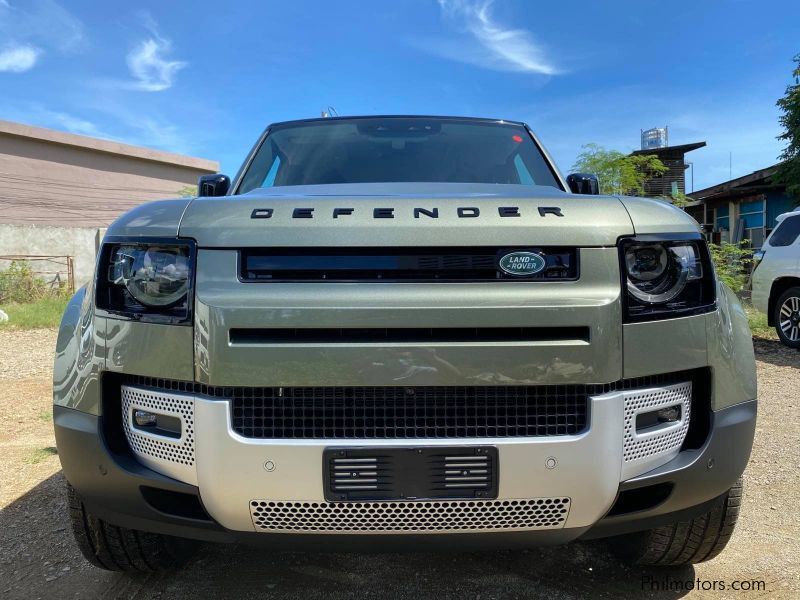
121,549
685,542
787,317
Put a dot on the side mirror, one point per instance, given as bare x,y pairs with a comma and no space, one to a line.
584,183
213,185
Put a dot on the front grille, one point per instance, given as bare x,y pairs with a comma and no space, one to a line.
399,264
409,517
419,412
410,412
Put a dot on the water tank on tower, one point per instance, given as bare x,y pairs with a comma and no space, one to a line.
658,137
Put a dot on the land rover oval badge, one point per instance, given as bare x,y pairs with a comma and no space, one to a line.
521,263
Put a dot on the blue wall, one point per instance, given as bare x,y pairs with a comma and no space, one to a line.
777,204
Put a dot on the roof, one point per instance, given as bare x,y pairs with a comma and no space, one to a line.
679,149
740,184
108,146
481,119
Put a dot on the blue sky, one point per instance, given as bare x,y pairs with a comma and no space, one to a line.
199,78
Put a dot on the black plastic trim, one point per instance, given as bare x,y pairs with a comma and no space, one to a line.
367,273
411,335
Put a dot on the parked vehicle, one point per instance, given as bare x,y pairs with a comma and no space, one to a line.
403,331
776,279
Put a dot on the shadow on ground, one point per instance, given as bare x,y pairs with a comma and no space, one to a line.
775,353
38,559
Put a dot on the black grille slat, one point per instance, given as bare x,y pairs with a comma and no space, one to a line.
386,413
398,264
329,335
410,412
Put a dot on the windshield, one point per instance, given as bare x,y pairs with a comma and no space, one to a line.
397,149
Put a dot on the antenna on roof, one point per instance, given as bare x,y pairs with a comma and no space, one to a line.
329,112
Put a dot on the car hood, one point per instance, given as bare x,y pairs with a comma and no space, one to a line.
375,215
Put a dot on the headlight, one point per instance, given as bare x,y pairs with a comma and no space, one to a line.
146,279
666,279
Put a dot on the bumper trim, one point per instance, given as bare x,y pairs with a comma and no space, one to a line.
110,485
698,477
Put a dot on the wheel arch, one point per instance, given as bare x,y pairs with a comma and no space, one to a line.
780,285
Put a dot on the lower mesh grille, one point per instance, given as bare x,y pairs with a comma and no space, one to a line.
410,412
409,517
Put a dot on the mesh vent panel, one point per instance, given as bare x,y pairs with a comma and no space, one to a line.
640,448
179,451
409,517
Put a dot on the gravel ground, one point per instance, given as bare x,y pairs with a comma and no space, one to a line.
38,558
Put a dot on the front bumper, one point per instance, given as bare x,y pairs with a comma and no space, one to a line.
231,475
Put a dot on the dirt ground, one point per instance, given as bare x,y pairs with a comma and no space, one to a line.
38,558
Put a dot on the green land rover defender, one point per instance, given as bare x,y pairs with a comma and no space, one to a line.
403,332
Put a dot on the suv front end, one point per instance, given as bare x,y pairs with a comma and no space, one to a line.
387,364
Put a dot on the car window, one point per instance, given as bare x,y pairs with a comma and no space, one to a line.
269,180
397,149
786,233
522,171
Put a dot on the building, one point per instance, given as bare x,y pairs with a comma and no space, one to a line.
673,182
58,191
744,208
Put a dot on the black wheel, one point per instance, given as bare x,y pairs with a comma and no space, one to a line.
686,542
120,549
787,317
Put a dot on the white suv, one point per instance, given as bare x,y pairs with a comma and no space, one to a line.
776,278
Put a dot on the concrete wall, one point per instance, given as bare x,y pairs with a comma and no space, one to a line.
78,242
53,178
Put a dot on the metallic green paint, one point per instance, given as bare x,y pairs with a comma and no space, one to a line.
226,222
664,346
153,219
80,355
730,352
650,216
149,349
223,302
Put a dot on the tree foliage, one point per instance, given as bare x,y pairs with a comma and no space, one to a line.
732,263
188,191
788,172
618,173
19,283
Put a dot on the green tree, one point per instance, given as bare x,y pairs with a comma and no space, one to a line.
618,173
732,263
188,191
788,172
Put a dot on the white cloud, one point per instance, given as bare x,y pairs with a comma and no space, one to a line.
36,25
77,125
498,48
53,25
18,58
149,64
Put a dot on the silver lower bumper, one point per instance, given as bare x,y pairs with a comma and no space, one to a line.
545,482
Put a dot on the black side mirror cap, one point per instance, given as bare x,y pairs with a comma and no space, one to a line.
584,183
213,185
